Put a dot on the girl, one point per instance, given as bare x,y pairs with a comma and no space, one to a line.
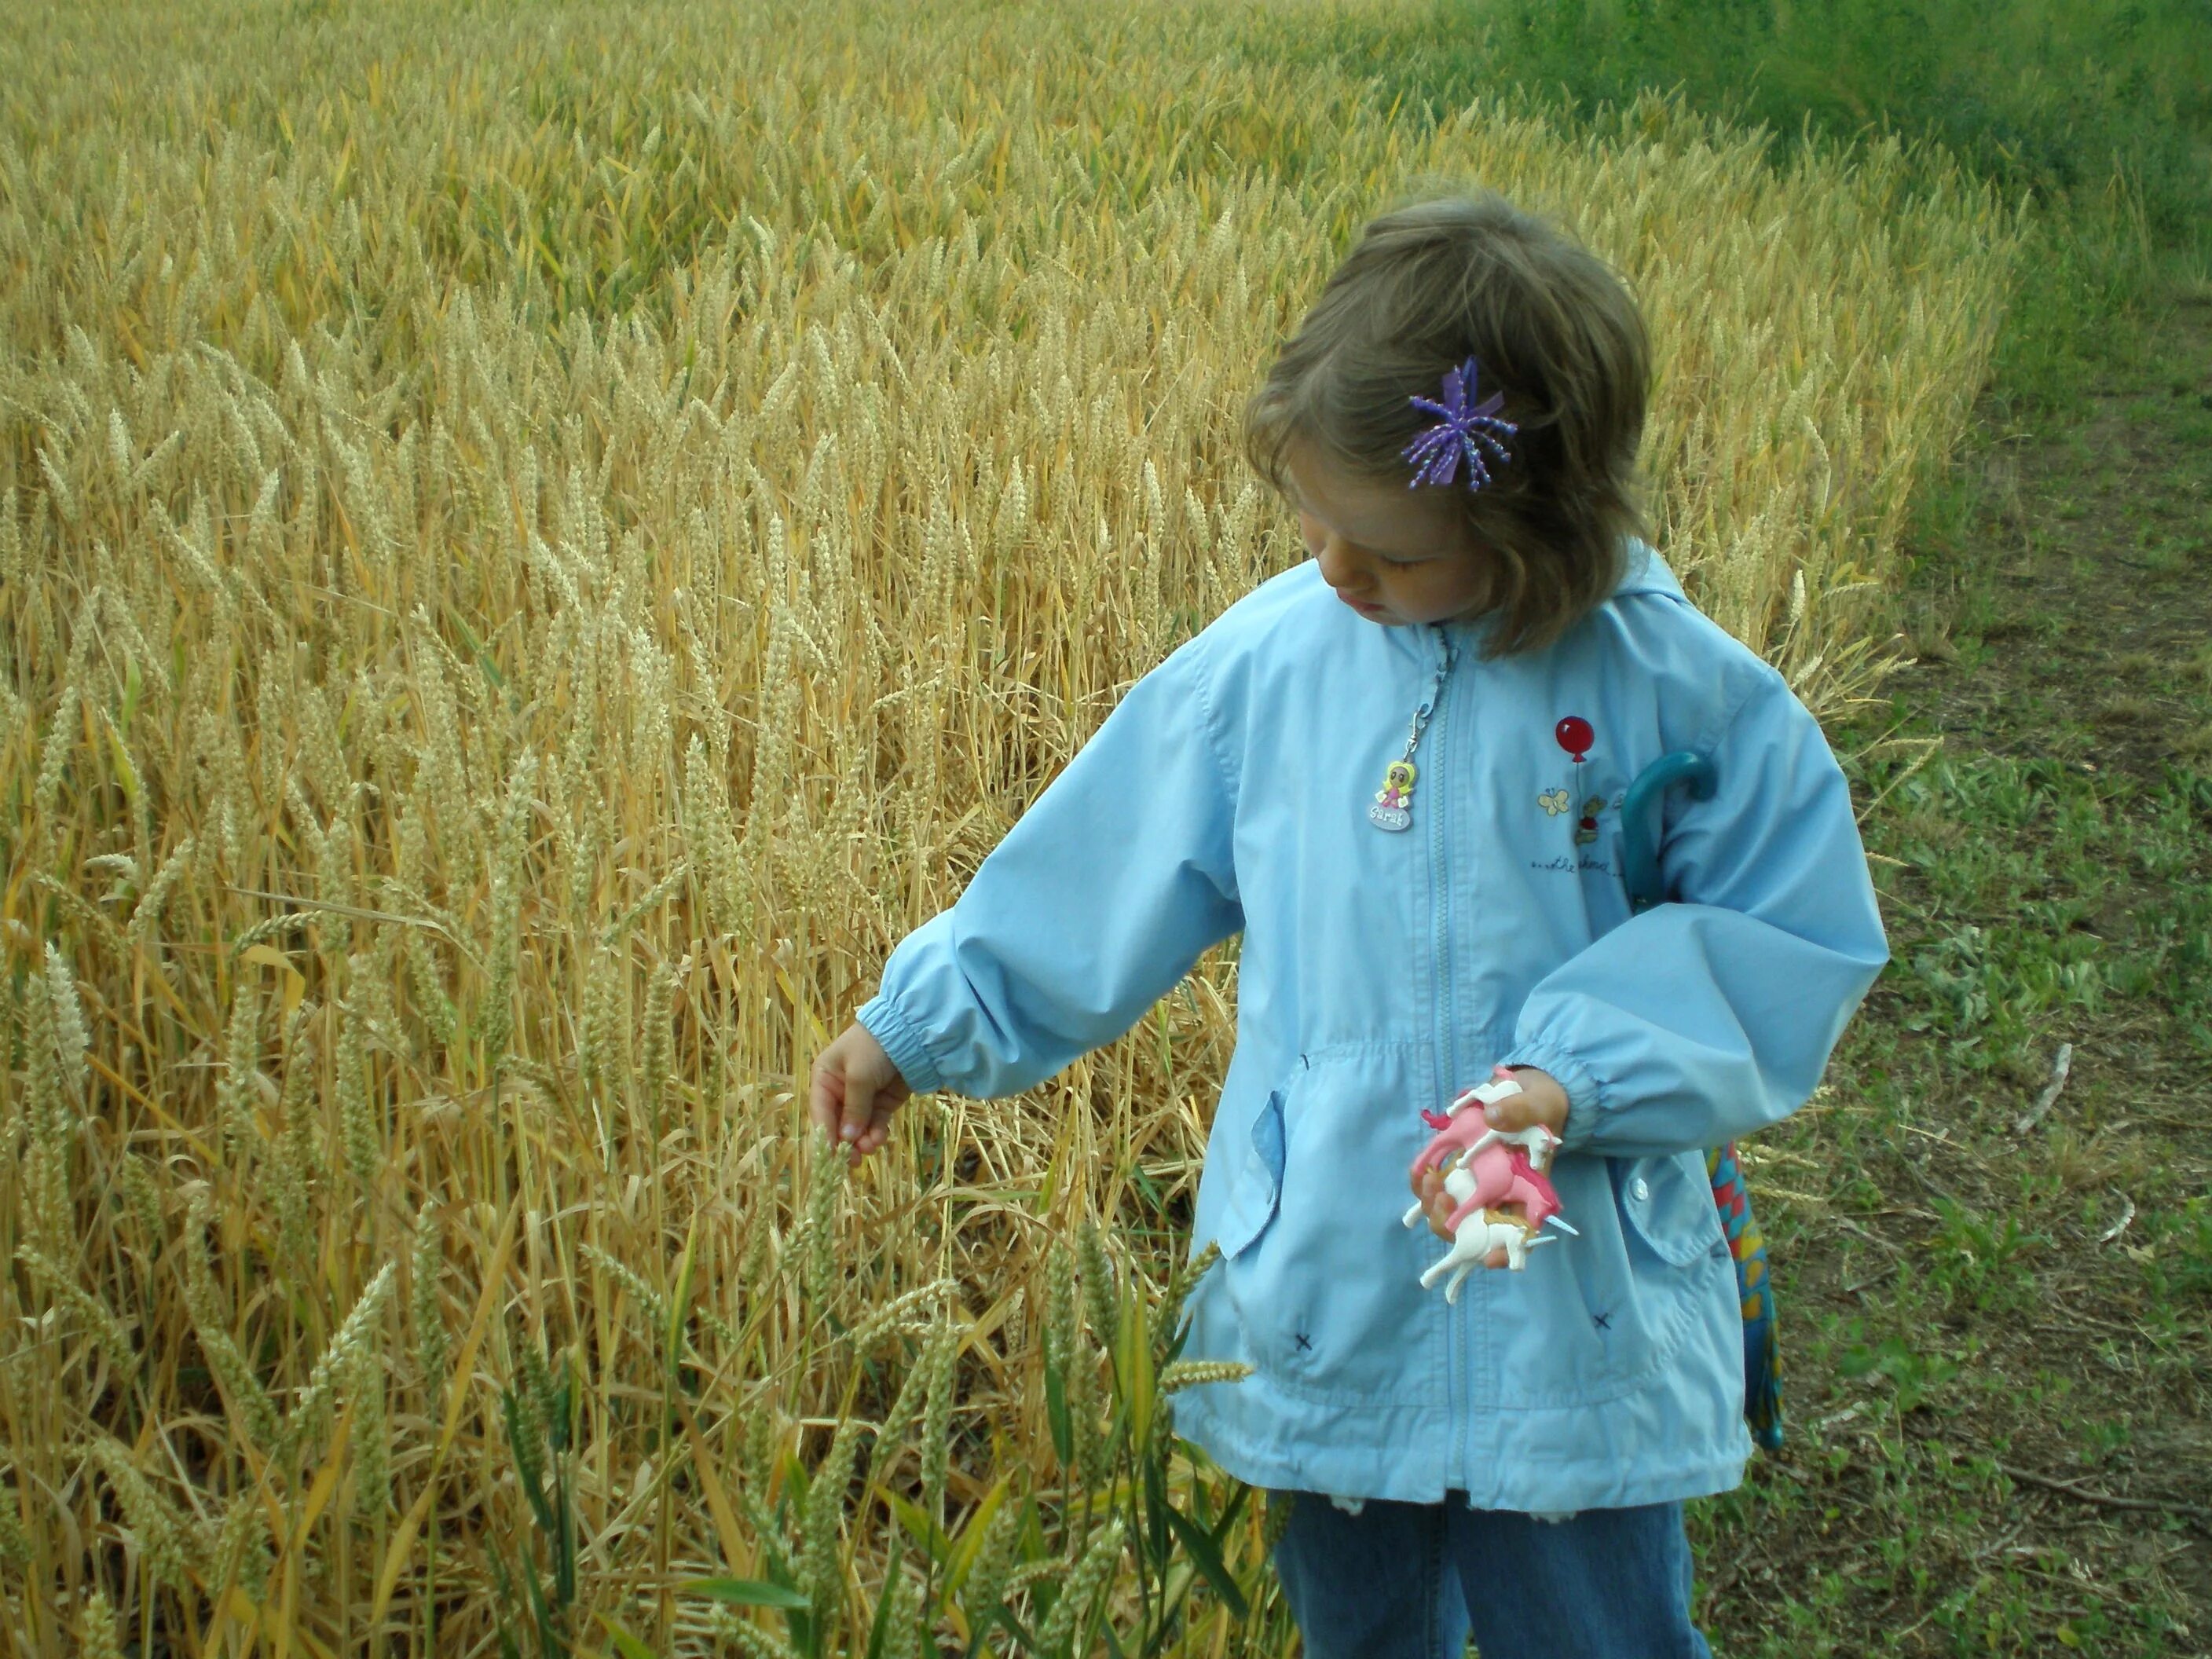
1399,769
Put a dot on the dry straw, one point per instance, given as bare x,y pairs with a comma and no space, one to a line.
471,540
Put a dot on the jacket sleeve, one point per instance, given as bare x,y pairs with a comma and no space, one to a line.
1713,1016
1096,903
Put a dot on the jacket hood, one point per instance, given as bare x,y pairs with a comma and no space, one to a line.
1647,572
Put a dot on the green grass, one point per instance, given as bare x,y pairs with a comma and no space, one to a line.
1948,1310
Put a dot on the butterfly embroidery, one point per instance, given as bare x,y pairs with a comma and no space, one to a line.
1554,802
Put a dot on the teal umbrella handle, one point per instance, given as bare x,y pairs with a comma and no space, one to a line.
1639,846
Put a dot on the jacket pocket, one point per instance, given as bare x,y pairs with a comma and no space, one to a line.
1257,1190
1669,1203
1324,1279
1615,1302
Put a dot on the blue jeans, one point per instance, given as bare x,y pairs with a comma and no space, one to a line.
1409,1581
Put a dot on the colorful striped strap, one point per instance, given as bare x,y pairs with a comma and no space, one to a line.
1762,1357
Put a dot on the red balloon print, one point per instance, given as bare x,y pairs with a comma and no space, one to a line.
1575,736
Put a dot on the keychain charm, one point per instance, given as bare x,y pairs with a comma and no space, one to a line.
1388,812
1392,807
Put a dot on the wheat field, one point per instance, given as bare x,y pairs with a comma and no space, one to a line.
534,543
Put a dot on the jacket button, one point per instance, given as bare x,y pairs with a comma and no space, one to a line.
1642,1189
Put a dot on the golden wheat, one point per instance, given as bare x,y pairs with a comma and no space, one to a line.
534,548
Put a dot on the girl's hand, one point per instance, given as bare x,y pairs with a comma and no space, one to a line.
1542,1100
856,1089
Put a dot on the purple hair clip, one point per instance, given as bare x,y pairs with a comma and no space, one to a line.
1435,453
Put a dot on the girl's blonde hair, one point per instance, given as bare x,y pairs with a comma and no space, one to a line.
1429,285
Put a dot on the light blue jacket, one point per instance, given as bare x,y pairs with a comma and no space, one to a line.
1381,973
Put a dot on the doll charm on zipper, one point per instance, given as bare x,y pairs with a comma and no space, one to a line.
1391,800
1392,807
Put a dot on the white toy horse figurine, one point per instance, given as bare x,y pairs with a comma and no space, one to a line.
1477,1236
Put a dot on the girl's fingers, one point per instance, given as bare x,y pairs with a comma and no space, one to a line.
820,1102
1542,1100
855,1091
860,1109
878,1129
1510,1115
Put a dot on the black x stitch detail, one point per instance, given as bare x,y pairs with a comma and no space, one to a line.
1305,1343
1603,1322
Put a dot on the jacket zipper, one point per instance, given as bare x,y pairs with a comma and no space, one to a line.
1455,1318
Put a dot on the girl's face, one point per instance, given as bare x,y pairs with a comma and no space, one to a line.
1397,556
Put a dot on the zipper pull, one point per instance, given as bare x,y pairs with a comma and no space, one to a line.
1444,650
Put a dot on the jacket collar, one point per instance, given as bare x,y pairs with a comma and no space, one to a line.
1642,572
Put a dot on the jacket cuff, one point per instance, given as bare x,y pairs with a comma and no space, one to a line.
1583,1098
903,1041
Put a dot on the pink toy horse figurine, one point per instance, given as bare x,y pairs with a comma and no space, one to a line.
1503,1167
1461,1127
1504,1175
